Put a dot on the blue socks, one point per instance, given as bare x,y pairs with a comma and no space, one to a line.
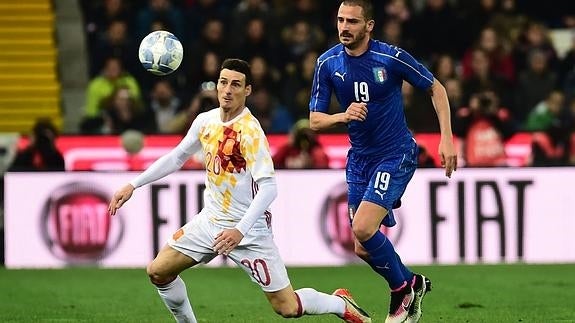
386,262
407,274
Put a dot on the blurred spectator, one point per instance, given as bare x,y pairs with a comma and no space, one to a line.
534,37
392,33
123,112
299,39
560,14
454,94
208,71
160,10
566,76
246,10
397,10
115,42
508,21
478,15
98,16
101,87
315,13
165,106
555,145
500,59
199,12
206,99
547,113
255,42
444,68
273,117
297,86
306,10
211,40
41,154
264,76
484,127
302,151
482,79
437,29
534,85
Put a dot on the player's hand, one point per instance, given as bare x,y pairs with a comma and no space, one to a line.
357,111
119,198
448,156
227,240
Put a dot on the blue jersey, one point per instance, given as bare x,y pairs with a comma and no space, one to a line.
375,77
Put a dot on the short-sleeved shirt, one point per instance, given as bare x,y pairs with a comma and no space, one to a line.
376,78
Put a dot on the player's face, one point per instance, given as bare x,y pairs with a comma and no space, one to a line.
352,27
232,91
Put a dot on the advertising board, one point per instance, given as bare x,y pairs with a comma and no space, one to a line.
478,216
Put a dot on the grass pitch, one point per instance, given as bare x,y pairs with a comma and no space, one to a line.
481,293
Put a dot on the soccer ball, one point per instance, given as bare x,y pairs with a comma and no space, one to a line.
160,52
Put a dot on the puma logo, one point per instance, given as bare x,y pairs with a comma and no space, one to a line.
384,267
378,192
338,74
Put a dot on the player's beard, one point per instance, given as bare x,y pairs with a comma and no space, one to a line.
357,41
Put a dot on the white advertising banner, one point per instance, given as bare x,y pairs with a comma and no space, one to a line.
478,216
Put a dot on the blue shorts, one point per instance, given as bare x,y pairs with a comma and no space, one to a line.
380,180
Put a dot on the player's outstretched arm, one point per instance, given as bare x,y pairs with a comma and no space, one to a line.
120,197
447,152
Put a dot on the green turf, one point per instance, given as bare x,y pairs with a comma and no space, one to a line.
486,293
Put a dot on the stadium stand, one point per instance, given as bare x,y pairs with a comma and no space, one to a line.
29,87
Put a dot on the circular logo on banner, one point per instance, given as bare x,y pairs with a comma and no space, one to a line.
76,225
336,224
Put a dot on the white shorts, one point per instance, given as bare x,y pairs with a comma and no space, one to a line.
257,254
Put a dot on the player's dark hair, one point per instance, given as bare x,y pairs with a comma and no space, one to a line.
239,65
364,4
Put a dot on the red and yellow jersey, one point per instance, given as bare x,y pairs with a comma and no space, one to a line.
236,154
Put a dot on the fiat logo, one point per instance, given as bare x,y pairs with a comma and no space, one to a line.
76,225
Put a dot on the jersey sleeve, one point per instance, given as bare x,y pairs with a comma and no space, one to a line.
256,152
411,70
321,88
173,160
191,144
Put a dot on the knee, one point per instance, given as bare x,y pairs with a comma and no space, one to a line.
362,232
157,276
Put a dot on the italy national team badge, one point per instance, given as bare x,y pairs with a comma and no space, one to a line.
379,74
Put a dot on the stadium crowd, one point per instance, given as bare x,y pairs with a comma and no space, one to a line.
496,58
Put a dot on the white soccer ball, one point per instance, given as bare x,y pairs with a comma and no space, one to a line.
160,52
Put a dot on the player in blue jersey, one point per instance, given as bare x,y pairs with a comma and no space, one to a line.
366,76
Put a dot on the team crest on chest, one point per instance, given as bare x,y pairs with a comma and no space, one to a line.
379,74
231,158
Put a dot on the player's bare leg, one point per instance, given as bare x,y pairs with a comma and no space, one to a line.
164,273
307,301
